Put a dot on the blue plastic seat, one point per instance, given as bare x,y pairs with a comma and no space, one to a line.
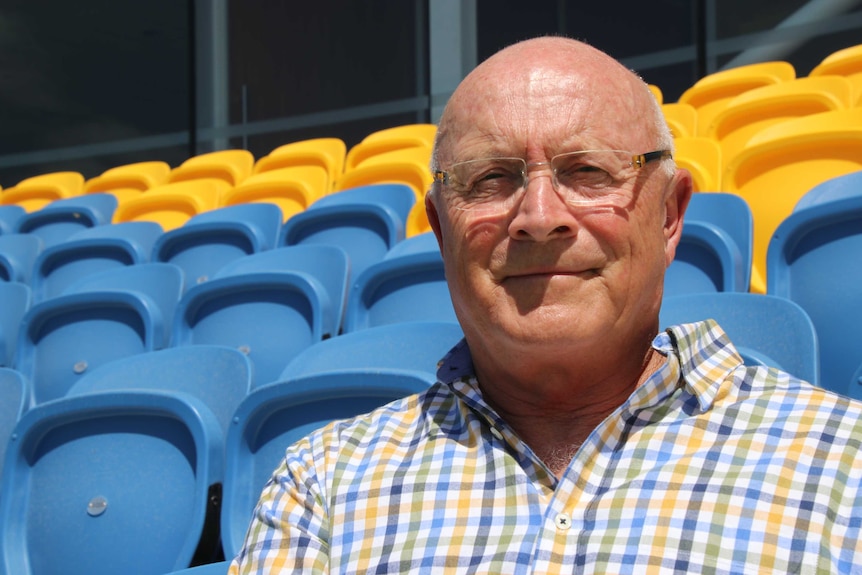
15,300
366,222
766,330
219,568
813,259
219,376
410,287
836,188
61,218
209,240
732,214
91,251
109,483
112,314
424,242
274,416
707,260
14,401
416,345
270,305
9,215
17,254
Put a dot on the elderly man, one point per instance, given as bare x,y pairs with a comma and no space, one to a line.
567,433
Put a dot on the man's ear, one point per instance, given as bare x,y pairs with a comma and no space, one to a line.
433,216
677,197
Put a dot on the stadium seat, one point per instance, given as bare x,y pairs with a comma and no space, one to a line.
813,260
56,221
90,251
110,483
681,119
701,156
38,191
129,180
844,62
732,214
218,568
106,316
218,376
707,260
16,299
14,401
836,188
424,242
407,166
709,94
172,205
269,305
291,189
366,222
411,345
410,287
9,215
208,241
328,153
765,330
275,416
17,254
754,110
391,139
230,166
782,162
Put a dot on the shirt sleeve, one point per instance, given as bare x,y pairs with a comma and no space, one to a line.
289,532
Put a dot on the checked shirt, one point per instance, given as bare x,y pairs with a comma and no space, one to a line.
709,467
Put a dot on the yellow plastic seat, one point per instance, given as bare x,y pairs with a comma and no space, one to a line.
291,189
710,94
681,119
844,62
232,166
656,91
38,191
782,162
390,139
702,157
129,180
757,109
406,166
171,205
328,153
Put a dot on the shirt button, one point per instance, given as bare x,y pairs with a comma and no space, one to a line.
497,433
563,521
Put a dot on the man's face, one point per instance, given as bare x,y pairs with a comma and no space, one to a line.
547,271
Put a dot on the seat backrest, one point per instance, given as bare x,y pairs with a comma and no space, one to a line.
813,260
269,305
836,188
275,416
55,222
292,189
732,214
16,299
218,568
9,216
681,119
218,376
210,240
366,222
408,166
109,483
412,345
91,251
139,176
36,192
172,205
410,287
766,330
18,253
328,153
424,242
707,260
230,166
14,401
782,162
701,156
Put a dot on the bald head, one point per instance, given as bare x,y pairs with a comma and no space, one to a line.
553,80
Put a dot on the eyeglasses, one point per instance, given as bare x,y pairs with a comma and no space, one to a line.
586,178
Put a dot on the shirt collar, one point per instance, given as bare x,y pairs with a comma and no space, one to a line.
700,356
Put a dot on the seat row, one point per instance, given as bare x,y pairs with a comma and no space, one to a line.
291,176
